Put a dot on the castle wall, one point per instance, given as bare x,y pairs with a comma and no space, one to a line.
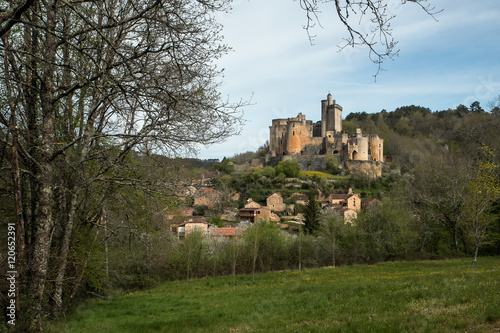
277,140
367,168
376,147
298,136
358,147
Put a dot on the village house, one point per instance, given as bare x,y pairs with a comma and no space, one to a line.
254,214
349,200
275,202
190,224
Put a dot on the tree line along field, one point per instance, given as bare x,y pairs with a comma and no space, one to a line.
426,296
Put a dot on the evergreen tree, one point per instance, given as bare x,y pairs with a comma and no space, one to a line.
311,212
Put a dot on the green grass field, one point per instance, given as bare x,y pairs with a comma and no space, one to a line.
428,296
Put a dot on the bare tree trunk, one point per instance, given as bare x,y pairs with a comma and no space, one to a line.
300,248
234,258
188,265
474,259
16,178
455,237
333,248
106,251
63,257
43,236
255,252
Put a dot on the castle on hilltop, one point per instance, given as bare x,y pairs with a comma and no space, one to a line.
310,143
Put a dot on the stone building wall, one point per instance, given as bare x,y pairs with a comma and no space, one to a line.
275,202
368,168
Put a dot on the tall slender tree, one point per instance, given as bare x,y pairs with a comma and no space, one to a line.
482,191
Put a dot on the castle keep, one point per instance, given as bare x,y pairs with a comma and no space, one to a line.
302,139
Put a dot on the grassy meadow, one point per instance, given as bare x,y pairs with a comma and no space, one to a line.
427,296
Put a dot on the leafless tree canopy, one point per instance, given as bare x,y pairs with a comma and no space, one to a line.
368,23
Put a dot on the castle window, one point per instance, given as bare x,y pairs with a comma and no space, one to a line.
293,133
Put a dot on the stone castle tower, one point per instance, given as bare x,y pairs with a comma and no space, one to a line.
302,139
331,116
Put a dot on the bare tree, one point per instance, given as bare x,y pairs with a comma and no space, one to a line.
368,23
88,83
438,189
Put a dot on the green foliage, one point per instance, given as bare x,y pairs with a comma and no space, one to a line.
331,225
349,126
268,172
390,229
268,244
226,166
216,220
290,168
87,258
332,165
192,251
325,186
200,210
252,175
225,180
403,128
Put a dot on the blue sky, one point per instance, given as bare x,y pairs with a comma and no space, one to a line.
442,64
